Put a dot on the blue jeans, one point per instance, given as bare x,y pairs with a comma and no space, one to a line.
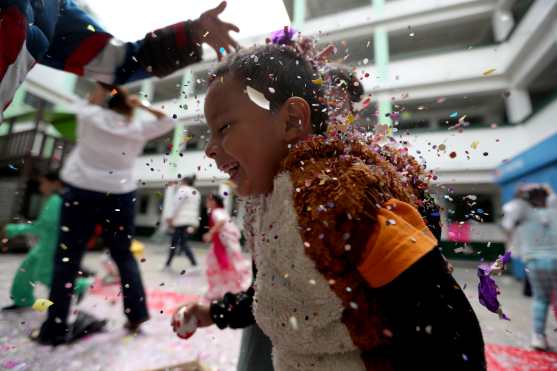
81,211
180,244
543,278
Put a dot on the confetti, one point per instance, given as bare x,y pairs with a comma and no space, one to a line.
41,305
258,98
293,322
488,71
453,115
475,144
91,28
488,289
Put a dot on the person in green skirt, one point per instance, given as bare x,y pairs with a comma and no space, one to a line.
37,266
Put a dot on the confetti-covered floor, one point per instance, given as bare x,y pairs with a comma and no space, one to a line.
157,346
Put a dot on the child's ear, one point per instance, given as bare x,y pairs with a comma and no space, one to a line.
298,119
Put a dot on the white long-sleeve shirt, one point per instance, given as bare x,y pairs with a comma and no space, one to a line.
107,147
185,206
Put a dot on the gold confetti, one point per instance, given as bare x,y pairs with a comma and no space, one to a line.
488,71
317,81
41,305
475,144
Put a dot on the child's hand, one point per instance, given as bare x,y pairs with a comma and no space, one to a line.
199,311
207,237
209,29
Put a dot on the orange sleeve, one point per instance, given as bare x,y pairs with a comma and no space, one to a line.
399,239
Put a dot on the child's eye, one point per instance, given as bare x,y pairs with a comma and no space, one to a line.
224,127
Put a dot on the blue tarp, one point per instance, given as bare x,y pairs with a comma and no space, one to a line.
537,164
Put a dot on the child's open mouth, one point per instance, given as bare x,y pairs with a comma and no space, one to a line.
233,170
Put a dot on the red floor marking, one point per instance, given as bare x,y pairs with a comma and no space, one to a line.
157,300
508,358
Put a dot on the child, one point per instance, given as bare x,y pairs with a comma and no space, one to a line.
349,276
227,269
38,264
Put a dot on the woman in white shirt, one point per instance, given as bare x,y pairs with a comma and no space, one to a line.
100,189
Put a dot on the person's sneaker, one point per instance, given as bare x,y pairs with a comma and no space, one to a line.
539,342
37,338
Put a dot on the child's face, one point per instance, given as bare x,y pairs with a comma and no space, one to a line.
248,142
47,187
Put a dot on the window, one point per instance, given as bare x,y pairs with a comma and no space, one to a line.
195,138
519,10
543,89
467,122
355,51
143,204
167,89
320,8
159,145
35,101
427,40
467,207
412,124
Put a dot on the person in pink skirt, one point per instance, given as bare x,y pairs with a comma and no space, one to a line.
227,269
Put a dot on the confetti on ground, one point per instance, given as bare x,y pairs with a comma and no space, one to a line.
41,305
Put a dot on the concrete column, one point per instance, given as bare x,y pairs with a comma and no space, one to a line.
299,13
503,23
381,50
518,105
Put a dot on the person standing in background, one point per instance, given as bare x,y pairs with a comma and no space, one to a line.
183,217
100,189
38,264
536,222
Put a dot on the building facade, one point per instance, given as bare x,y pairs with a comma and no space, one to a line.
474,83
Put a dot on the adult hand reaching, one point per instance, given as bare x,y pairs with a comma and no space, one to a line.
209,29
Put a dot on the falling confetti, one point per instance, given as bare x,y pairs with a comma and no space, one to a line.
488,71
258,98
91,28
487,288
41,305
293,322
453,115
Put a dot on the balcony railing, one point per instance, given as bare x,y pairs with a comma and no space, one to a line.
34,144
